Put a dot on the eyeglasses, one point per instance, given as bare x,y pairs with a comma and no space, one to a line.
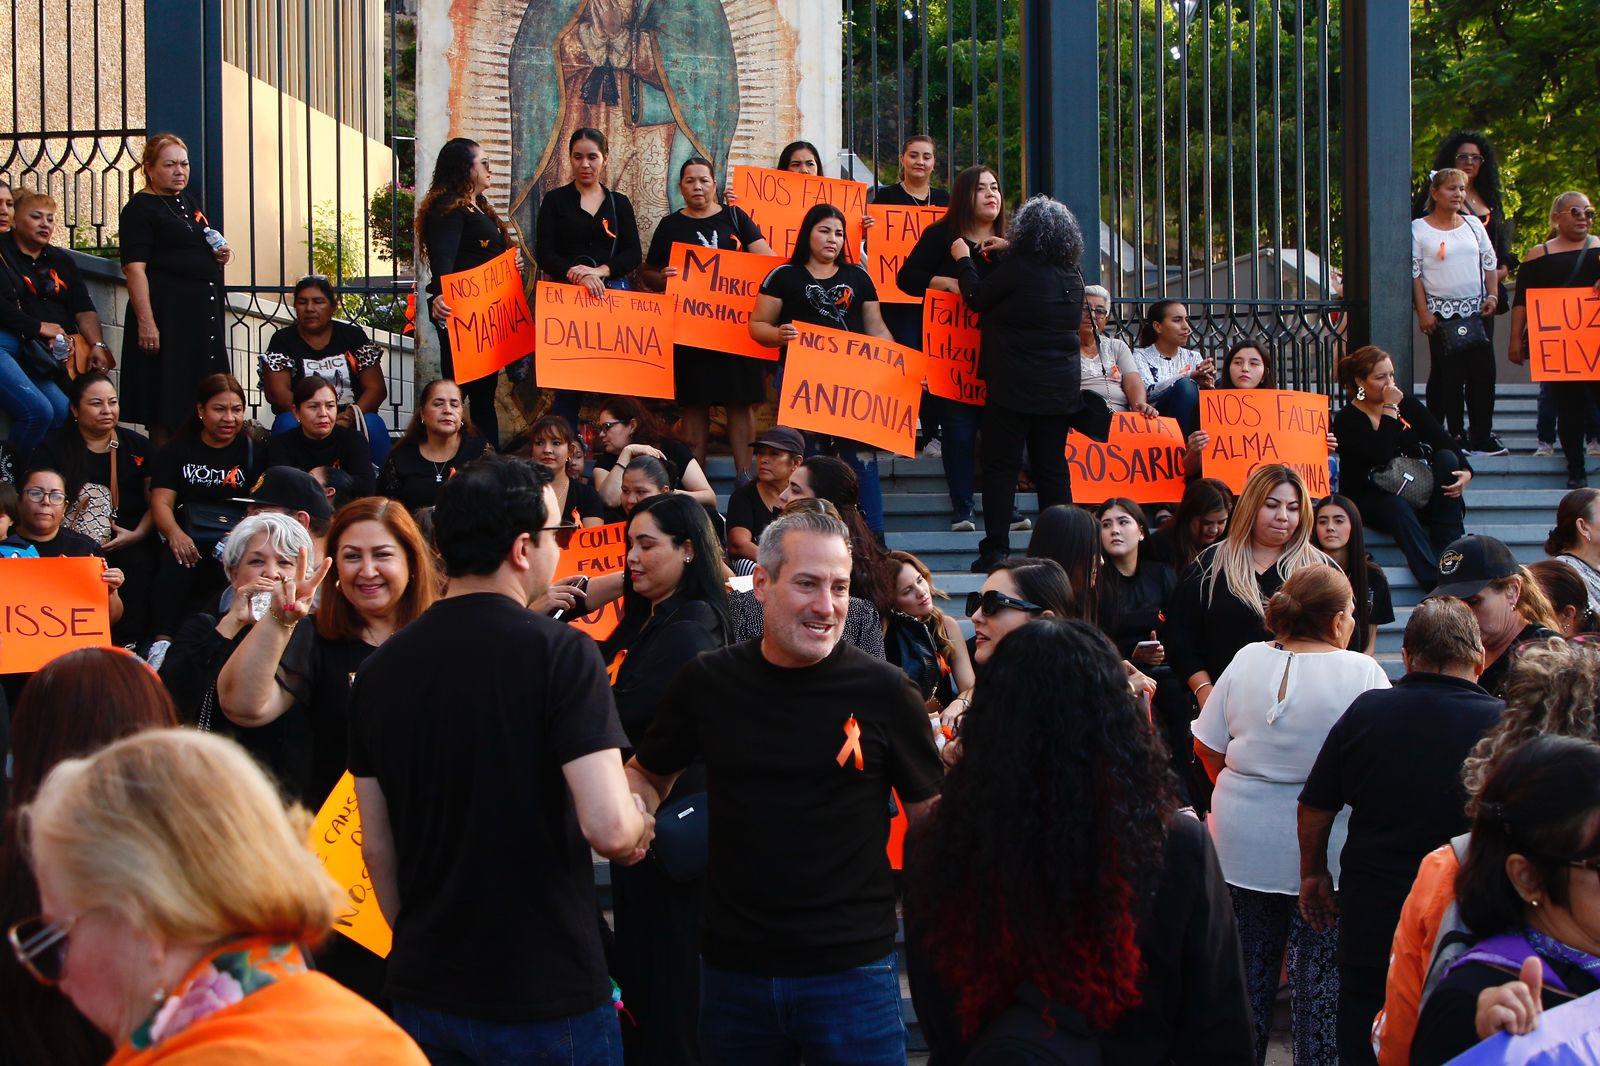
1099,312
1582,212
41,946
603,426
993,602
38,495
561,534
1469,157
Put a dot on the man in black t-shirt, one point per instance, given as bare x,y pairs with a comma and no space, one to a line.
778,451
1394,759
486,751
802,737
41,507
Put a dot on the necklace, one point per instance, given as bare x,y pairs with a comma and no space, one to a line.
924,202
438,470
176,213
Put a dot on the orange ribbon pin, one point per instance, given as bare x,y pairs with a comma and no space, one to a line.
616,666
852,744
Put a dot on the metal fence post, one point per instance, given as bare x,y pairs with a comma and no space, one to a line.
1061,112
1377,199
183,88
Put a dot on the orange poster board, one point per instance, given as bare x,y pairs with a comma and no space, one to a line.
951,341
1250,428
713,294
619,342
49,607
778,200
894,233
336,838
595,551
852,386
1564,334
490,324
1141,459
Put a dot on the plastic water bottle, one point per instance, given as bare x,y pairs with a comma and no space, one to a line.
61,347
217,241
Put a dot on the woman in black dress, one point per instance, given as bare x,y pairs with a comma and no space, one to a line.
458,229
704,378
439,440
585,234
173,261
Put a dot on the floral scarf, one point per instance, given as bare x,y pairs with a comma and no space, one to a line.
220,980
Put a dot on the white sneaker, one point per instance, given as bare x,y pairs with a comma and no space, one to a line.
158,654
933,449
1593,449
1545,449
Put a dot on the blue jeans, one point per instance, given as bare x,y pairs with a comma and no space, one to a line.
959,423
1181,401
871,486
589,1039
35,407
377,433
850,1018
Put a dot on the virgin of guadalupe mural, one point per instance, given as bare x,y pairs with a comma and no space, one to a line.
657,77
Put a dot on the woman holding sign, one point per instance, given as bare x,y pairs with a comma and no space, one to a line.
1569,259
458,229
707,379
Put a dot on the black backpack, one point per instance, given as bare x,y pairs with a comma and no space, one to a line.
1035,1032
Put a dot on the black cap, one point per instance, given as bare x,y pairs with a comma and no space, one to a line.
291,489
783,439
1470,563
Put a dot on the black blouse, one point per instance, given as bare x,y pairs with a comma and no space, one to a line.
1030,312
1130,607
65,452
459,239
568,236
416,481
1204,630
1362,449
36,290
167,233
343,449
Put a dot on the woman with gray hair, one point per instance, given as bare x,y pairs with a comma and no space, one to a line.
1031,303
1109,369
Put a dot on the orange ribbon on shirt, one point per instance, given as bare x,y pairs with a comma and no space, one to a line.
852,744
616,666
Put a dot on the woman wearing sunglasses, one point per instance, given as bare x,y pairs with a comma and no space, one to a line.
176,926
627,430
1015,593
1569,258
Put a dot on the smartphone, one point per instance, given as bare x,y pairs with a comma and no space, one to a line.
1148,644
580,583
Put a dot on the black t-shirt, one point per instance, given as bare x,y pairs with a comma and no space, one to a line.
798,881
582,502
414,480
896,196
64,451
348,352
746,510
318,673
1493,679
1558,270
343,449
465,718
458,239
728,228
677,453
167,233
1447,1026
35,290
1394,758
1204,628
835,302
199,473
1130,607
64,545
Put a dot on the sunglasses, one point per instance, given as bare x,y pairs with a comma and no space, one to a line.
1582,212
603,426
993,602
41,946
562,534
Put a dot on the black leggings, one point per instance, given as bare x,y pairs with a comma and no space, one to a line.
1572,402
1450,375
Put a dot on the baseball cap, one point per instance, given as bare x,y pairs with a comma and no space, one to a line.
291,489
783,439
1470,563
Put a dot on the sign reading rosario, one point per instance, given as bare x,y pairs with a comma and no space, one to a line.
852,386
713,294
1142,459
595,551
618,342
490,324
336,838
951,341
49,607
778,201
1250,428
893,235
1564,334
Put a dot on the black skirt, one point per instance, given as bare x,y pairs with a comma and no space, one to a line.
704,378
157,388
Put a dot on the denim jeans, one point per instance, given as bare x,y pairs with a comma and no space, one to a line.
850,1018
871,485
377,433
1181,400
35,407
959,423
589,1039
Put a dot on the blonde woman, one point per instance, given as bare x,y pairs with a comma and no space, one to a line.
174,926
1220,604
914,594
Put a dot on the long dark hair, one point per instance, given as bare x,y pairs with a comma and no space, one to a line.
962,212
1487,183
1071,536
416,432
1108,594
1269,375
1357,566
786,156
871,571
1042,581
1579,503
802,243
684,520
1200,498
1155,313
452,188
1050,838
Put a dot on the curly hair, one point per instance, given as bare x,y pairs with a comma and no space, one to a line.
1044,228
1487,185
1551,690
1048,843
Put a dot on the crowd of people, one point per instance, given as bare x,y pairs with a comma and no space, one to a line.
1165,769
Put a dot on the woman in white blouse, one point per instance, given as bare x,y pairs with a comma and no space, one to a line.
1454,281
1258,735
1108,365
1173,374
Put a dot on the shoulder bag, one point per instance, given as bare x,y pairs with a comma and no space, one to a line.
95,510
208,524
1407,477
1459,337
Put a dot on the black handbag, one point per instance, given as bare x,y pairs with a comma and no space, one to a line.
682,840
208,524
1459,337
1409,478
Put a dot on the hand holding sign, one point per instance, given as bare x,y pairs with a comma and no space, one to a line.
951,342
489,321
620,341
853,386
336,839
594,551
1250,428
1142,459
778,200
894,233
713,292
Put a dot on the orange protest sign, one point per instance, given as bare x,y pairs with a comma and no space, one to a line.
951,341
618,342
894,233
1564,334
595,551
713,294
852,386
49,607
1141,458
336,838
778,201
490,324
1250,428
